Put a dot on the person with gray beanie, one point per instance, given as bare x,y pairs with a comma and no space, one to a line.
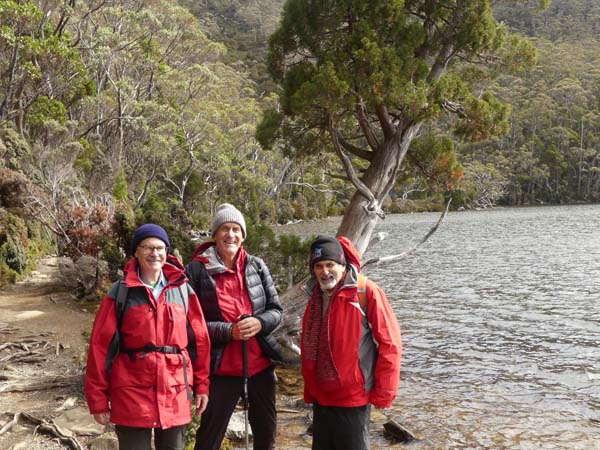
241,306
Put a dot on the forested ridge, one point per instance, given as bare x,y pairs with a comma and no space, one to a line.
117,113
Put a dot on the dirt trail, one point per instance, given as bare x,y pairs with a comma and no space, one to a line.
42,342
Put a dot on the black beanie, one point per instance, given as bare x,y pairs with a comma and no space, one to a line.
326,248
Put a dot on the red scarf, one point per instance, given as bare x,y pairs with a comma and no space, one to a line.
317,351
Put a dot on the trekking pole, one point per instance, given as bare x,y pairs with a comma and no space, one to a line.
245,391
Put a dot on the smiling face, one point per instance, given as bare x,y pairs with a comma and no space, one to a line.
151,254
229,238
328,273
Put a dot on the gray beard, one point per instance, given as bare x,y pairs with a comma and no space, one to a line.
328,284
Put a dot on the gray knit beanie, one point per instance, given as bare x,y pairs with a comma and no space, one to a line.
227,213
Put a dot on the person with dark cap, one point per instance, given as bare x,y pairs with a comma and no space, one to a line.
241,306
351,347
149,350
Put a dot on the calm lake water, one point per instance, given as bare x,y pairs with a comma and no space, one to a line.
500,316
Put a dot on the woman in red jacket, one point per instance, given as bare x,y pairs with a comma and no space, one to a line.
162,350
351,347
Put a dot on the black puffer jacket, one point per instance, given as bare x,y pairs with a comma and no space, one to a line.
261,290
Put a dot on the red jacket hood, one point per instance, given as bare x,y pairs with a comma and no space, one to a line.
352,256
196,256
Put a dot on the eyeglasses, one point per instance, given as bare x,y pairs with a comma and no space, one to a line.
148,249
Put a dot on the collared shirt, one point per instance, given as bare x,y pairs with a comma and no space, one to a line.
158,287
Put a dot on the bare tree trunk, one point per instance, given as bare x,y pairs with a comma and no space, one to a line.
363,213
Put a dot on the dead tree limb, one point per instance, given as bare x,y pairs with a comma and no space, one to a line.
44,426
42,384
382,259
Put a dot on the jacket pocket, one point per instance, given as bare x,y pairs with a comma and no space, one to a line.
174,368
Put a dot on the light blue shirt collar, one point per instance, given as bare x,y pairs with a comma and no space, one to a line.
156,290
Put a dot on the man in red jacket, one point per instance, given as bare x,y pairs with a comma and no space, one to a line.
351,347
162,346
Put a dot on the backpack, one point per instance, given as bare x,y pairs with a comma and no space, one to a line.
120,303
361,292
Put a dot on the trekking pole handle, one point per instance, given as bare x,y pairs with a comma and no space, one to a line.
245,351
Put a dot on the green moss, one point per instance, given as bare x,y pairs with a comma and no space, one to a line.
21,243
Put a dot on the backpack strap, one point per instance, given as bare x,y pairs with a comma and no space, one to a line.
361,292
184,292
115,344
121,299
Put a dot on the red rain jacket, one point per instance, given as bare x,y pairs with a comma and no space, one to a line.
364,376
148,391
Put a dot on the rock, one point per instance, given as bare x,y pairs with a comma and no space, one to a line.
398,432
28,315
104,443
67,404
80,422
236,429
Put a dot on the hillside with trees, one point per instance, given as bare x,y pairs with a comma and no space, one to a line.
551,154
117,113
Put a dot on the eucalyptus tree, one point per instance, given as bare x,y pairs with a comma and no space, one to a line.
360,78
37,63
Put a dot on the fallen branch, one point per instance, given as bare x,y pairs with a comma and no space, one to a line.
43,426
43,384
28,358
381,259
14,344
289,411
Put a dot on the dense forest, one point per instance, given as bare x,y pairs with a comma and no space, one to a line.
117,113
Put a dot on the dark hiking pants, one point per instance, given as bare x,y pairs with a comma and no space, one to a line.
132,438
337,428
224,395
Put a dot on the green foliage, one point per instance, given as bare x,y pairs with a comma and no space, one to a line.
267,128
21,243
435,158
285,255
43,109
14,147
85,159
485,117
119,191
361,78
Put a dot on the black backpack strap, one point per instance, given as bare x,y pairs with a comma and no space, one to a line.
115,344
121,299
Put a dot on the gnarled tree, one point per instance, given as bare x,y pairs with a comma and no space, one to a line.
361,78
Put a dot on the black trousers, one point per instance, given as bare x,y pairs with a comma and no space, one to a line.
132,438
224,395
337,428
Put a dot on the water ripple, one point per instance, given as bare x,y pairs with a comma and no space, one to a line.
501,321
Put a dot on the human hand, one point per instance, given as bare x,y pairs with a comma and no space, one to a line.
201,403
246,329
102,418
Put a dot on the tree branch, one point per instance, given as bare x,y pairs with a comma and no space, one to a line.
382,259
365,126
362,187
356,151
386,122
455,108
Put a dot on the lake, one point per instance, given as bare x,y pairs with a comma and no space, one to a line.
500,317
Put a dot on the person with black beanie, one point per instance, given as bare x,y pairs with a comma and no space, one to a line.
350,347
